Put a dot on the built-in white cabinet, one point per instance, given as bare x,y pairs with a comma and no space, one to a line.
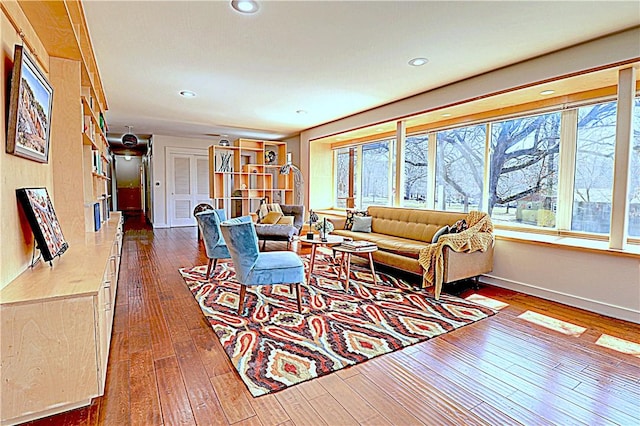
55,328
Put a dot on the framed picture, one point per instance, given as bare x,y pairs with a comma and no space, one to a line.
42,218
29,120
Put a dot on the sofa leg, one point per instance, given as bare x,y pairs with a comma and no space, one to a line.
264,244
476,282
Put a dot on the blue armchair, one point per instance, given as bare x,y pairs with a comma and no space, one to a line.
255,268
209,226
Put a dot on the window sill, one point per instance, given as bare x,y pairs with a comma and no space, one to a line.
571,243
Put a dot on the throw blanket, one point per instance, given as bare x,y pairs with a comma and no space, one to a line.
479,236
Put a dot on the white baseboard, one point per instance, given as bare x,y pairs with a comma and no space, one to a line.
567,299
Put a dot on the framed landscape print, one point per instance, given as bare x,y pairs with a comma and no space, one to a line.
42,218
29,120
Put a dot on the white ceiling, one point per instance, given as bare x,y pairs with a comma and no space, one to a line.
331,59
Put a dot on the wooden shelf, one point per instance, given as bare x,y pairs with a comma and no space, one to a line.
100,176
247,180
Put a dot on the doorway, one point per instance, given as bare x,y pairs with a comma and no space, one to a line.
188,178
128,169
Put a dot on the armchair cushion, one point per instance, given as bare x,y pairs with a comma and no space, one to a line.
286,220
271,218
266,208
276,267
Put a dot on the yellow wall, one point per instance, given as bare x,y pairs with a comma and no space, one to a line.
16,240
321,170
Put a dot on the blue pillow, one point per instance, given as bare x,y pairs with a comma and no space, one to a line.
439,233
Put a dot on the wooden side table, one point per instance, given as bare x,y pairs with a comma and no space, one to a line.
345,261
332,240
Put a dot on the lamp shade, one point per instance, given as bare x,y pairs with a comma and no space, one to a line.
129,140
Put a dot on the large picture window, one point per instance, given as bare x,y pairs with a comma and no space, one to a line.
345,160
460,168
416,167
634,175
376,174
523,174
592,191
509,168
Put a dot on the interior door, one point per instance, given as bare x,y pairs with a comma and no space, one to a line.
189,186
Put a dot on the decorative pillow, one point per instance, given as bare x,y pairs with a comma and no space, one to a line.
271,218
266,208
458,227
361,224
439,233
286,220
351,214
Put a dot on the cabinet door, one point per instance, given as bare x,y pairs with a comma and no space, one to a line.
48,355
188,187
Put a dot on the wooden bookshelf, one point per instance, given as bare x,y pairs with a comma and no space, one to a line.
244,174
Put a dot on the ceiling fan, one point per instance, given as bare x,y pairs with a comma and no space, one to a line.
129,140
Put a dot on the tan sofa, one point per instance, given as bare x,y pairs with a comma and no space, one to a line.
401,233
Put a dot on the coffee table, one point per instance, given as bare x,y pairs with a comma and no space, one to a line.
331,240
345,261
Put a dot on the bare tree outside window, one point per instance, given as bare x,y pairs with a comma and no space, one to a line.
460,165
593,187
343,159
523,174
415,171
375,174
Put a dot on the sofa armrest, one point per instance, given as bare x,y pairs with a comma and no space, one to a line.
338,223
462,265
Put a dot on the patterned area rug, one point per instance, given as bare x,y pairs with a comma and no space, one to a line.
273,346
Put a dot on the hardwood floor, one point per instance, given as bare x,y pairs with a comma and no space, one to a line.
166,366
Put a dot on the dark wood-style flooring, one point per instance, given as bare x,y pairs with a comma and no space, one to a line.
166,366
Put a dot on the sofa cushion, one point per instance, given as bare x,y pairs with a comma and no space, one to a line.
439,233
458,227
361,224
397,245
350,215
414,224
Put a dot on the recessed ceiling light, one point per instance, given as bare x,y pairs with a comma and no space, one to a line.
338,139
417,62
187,94
245,6
301,111
378,130
446,114
547,92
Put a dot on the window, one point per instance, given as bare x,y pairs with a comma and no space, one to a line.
593,184
460,168
376,174
345,177
523,174
415,171
634,175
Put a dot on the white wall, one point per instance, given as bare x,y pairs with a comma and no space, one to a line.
598,282
128,171
158,167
